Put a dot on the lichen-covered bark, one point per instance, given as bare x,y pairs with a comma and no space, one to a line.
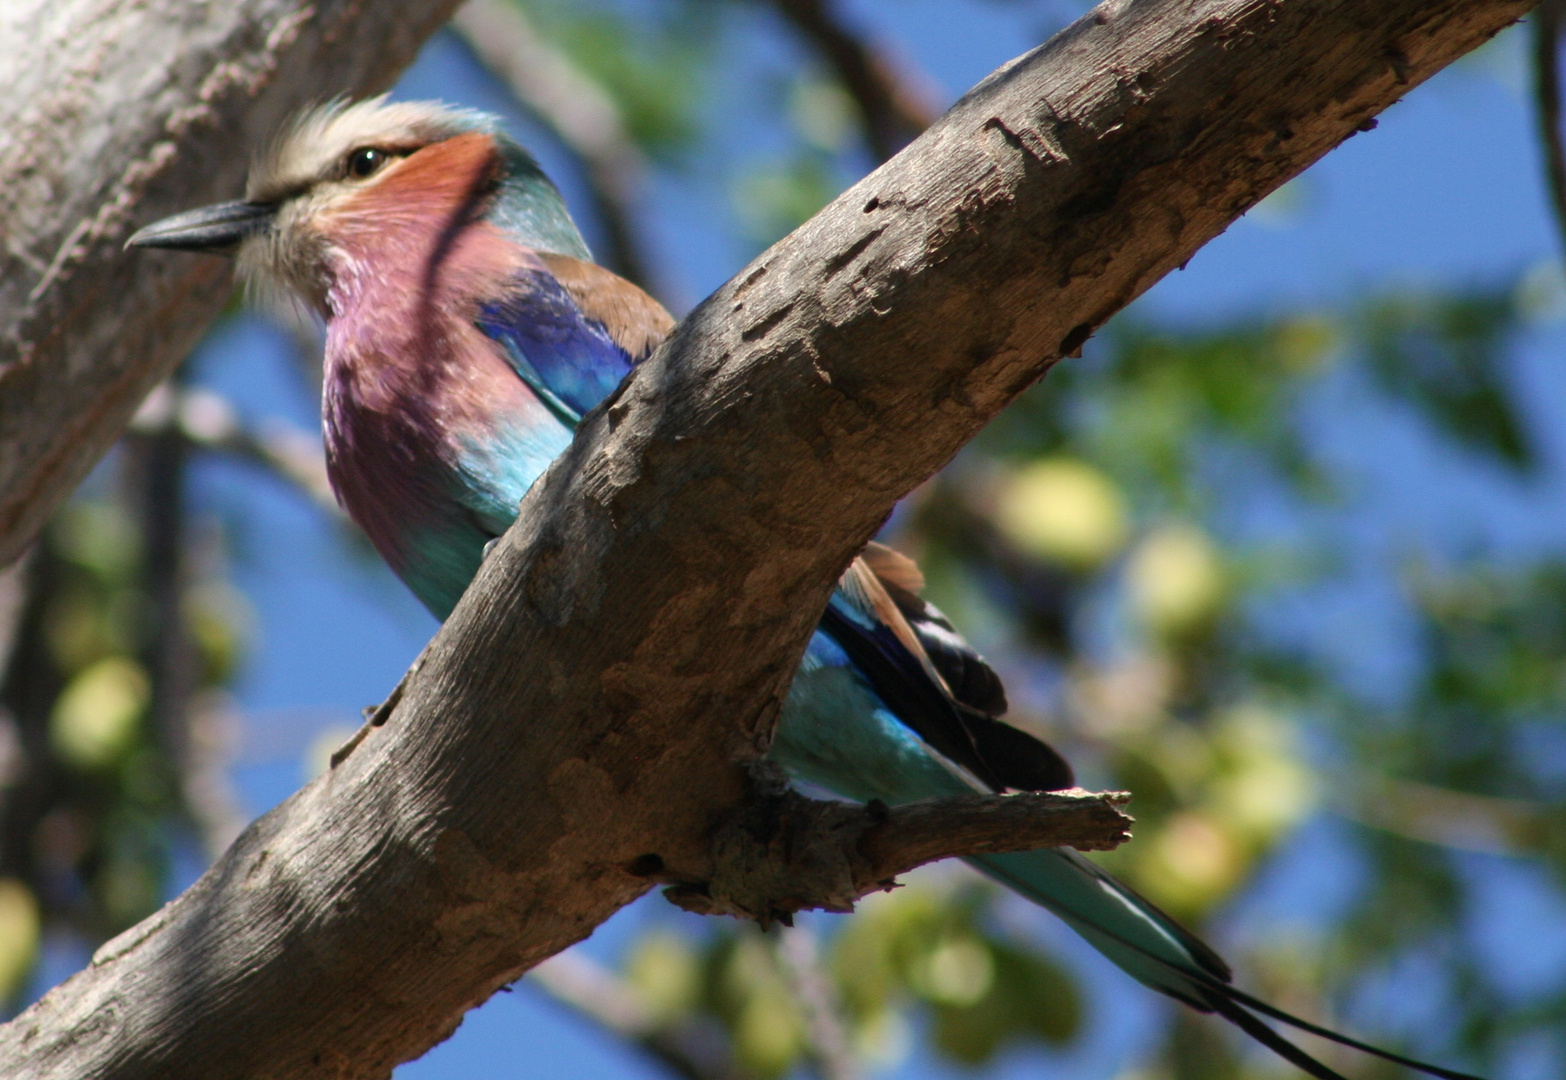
114,114
625,646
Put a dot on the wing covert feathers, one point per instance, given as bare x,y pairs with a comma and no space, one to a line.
912,657
962,671
635,321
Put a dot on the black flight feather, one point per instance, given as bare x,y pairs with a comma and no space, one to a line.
999,755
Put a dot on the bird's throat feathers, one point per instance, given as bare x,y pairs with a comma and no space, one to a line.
431,436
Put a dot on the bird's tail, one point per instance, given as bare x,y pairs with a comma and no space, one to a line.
1158,952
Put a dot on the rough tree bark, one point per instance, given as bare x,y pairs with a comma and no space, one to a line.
115,113
577,728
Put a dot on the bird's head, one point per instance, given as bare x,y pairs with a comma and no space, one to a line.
342,178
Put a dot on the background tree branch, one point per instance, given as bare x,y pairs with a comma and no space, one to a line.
894,111
686,1048
1547,30
588,705
579,113
112,118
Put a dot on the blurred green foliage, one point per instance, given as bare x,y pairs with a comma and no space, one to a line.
1443,353
652,63
933,947
103,702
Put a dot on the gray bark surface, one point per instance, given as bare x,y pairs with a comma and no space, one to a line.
782,852
622,653
114,114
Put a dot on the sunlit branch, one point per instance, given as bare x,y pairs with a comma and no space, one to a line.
830,1045
646,611
1453,819
577,110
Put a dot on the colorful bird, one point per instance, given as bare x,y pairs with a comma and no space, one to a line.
468,330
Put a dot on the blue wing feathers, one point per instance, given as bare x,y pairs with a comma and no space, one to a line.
569,360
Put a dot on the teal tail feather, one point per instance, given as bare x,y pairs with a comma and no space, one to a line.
1158,952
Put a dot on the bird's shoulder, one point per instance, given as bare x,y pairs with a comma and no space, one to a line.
635,321
570,329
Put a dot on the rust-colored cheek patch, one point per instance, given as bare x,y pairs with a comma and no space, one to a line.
437,180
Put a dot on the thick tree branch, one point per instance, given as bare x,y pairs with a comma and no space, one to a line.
113,116
582,716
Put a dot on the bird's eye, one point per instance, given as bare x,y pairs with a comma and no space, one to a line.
366,161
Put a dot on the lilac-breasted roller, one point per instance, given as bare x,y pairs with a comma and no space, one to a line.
468,330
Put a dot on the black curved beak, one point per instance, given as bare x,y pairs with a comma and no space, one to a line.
216,229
